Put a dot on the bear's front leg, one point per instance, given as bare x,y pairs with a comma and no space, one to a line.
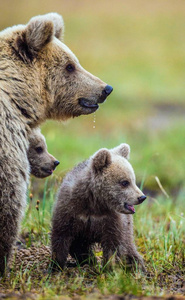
9,223
14,176
134,259
126,228
61,240
112,241
118,243
113,252
60,250
12,203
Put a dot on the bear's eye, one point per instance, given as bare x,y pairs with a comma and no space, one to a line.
125,183
39,150
70,68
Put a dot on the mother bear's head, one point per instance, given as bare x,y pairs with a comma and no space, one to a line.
42,75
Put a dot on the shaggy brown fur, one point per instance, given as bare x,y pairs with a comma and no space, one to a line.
40,78
94,204
42,164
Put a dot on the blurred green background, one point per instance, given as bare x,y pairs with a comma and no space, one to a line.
138,47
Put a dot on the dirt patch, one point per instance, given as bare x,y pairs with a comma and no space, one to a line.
17,295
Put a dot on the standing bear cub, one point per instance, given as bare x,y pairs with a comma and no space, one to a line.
40,78
95,204
42,163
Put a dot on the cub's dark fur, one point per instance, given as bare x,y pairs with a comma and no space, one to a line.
95,204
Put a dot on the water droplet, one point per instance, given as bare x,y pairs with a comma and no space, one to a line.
94,120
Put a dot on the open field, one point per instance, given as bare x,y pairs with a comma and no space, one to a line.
138,47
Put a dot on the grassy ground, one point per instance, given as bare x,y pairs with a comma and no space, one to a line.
159,232
138,47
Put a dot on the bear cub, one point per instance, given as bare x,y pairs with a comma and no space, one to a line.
42,164
95,204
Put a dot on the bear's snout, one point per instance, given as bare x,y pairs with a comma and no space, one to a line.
107,90
105,93
141,198
56,163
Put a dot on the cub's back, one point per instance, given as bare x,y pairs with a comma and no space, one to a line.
77,173
70,183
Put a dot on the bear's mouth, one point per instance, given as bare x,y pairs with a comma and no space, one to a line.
85,103
129,208
47,171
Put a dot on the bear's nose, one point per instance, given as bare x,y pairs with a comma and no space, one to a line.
141,199
56,163
107,90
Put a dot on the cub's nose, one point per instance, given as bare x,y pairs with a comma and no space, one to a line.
56,163
141,199
107,90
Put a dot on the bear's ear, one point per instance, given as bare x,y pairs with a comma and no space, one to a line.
123,150
58,24
39,32
101,160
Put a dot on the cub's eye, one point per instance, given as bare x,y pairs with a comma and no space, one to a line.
125,183
70,68
39,150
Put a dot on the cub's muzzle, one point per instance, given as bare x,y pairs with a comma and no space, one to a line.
56,163
141,199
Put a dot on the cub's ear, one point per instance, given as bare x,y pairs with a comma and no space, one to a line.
123,150
39,32
101,160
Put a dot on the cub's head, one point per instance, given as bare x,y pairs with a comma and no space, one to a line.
42,164
115,180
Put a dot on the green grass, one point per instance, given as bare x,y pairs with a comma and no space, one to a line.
159,226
